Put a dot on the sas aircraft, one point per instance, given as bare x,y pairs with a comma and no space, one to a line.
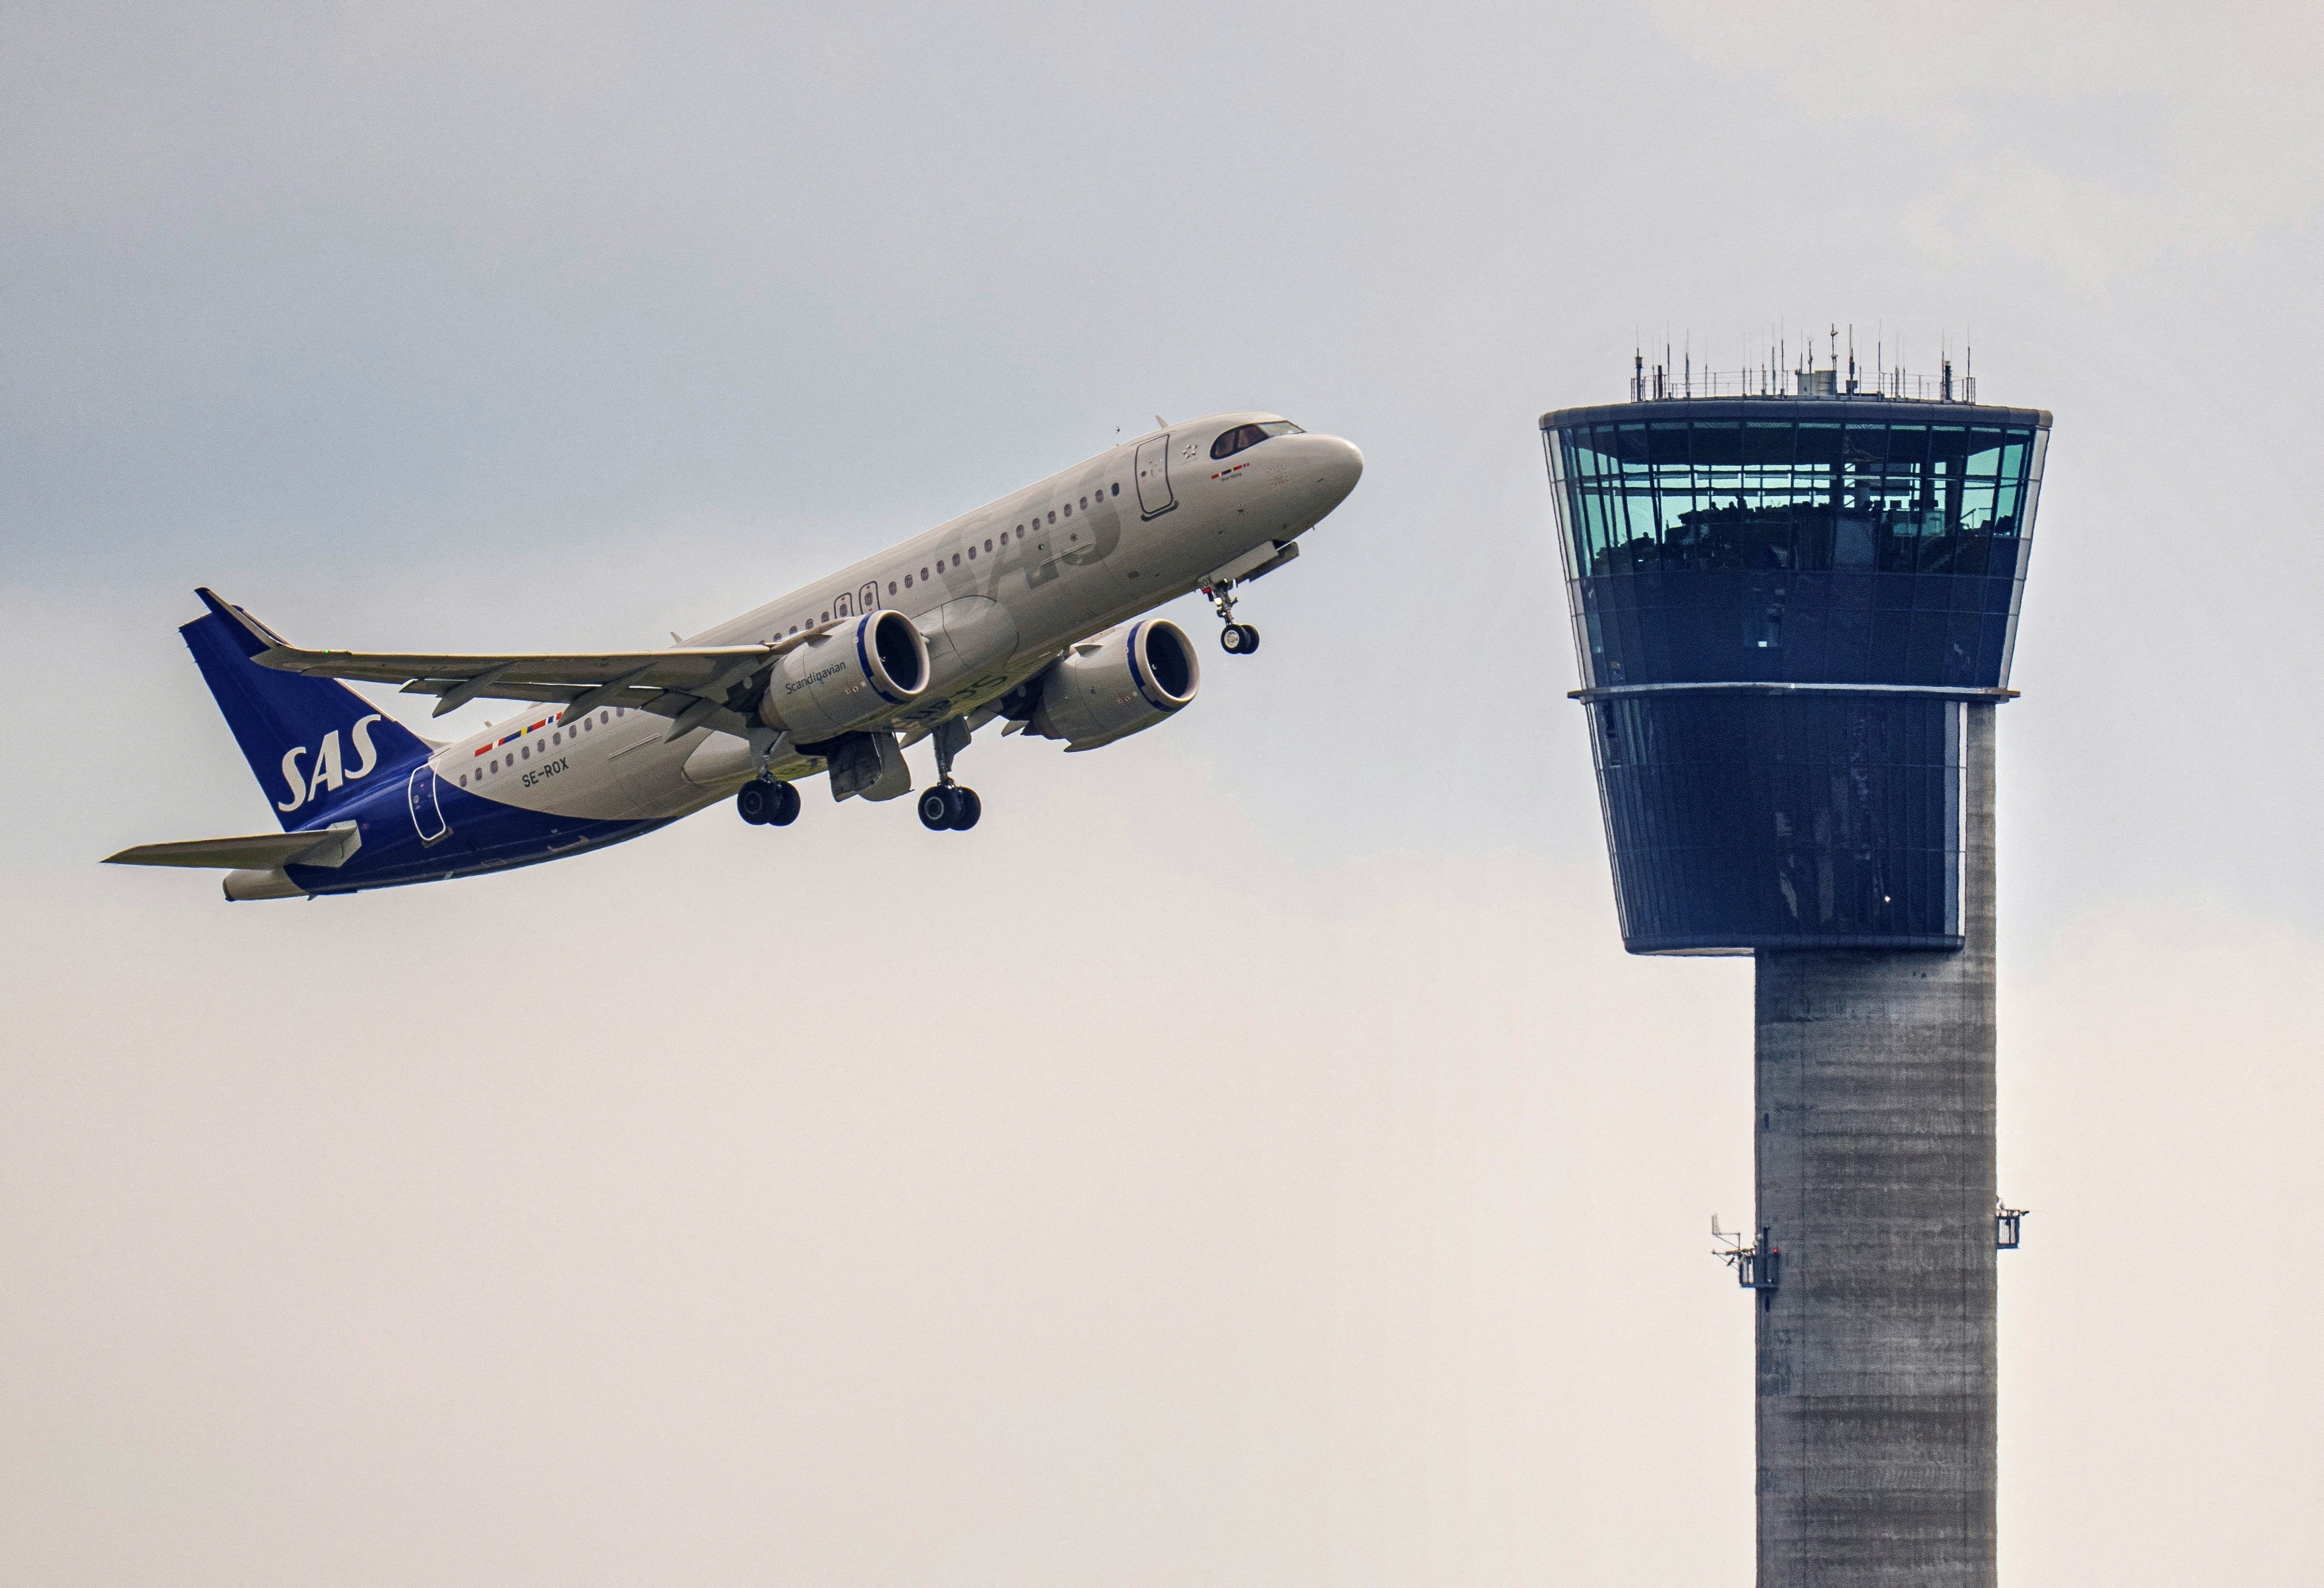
1028,610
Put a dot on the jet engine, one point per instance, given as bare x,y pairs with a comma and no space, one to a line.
1111,686
846,676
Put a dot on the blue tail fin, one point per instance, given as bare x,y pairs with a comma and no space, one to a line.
313,743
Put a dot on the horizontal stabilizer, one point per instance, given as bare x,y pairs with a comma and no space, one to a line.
331,847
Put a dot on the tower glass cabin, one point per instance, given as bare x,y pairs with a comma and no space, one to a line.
1781,606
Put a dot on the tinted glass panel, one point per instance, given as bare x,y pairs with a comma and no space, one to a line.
1739,521
1765,821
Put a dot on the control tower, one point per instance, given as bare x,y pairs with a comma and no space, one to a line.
1795,596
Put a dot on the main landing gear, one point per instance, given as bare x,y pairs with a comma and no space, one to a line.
947,807
1236,639
765,803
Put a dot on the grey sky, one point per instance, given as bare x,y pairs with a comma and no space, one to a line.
782,1208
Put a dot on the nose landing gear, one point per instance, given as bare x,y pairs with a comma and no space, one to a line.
1235,638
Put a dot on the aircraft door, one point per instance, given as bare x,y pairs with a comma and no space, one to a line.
1153,477
867,599
427,815
841,605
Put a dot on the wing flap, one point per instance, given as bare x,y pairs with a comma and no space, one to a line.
629,677
503,675
667,682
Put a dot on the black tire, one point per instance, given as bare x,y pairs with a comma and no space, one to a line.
935,808
1249,639
755,804
786,806
966,809
1230,639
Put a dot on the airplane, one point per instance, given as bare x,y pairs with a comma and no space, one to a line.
1032,609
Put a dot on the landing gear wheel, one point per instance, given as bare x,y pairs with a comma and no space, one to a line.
756,803
786,806
1239,638
947,807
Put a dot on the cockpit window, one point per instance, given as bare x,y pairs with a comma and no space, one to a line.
1243,435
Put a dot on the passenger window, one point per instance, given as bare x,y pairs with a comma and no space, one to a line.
1084,504
956,559
495,766
1053,515
988,545
1069,510
587,726
891,586
924,573
1117,489
604,717
463,779
827,617
972,554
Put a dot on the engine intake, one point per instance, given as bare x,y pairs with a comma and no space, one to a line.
846,676
1120,683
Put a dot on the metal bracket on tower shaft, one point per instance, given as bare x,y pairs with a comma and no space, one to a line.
1758,1264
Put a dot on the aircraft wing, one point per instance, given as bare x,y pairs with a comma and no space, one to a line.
691,682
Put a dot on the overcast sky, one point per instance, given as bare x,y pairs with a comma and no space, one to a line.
1249,1158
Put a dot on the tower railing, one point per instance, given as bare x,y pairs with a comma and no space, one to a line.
1658,384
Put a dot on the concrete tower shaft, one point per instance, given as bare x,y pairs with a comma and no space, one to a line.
1874,1087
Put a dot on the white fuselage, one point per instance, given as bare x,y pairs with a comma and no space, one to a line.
998,592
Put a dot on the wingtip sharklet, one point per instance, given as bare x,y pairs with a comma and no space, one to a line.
256,637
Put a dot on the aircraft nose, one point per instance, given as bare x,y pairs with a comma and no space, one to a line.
1338,468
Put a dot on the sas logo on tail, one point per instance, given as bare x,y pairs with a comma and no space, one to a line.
328,772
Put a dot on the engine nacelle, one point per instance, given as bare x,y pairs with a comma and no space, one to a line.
846,676
1126,680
